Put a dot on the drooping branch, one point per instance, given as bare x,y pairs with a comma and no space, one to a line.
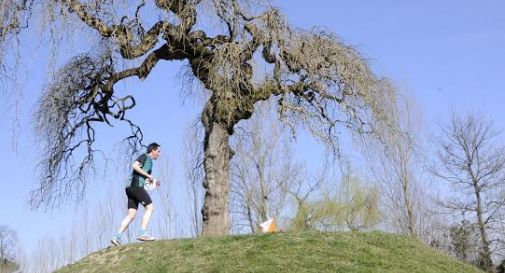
339,84
14,17
80,97
65,122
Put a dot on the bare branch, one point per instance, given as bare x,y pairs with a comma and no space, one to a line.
67,112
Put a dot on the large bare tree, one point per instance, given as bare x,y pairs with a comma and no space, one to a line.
240,51
473,163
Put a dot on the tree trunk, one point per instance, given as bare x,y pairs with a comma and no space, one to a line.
217,156
408,207
404,154
487,262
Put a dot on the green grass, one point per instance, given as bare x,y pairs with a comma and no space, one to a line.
283,252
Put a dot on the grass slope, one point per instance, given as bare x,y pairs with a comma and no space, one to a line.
283,252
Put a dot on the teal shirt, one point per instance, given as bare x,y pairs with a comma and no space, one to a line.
146,164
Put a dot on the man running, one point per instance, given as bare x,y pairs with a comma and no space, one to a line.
136,193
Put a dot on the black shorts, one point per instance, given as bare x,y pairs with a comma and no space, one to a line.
137,195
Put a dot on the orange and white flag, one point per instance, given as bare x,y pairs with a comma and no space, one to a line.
268,226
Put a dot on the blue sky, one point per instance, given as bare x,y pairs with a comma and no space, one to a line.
450,55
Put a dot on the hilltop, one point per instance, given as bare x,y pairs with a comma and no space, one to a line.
283,252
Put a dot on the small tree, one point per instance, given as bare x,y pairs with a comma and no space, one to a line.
359,204
8,244
473,164
396,163
354,206
463,244
303,219
263,171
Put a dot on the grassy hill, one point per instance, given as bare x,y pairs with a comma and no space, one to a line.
284,252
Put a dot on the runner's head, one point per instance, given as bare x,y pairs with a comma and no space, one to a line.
154,150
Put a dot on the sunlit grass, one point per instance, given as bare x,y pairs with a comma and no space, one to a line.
282,252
